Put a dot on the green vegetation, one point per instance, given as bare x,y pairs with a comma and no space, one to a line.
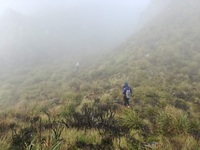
53,107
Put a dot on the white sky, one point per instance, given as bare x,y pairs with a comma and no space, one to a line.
34,6
109,22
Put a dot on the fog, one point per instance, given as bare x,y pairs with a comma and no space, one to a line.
33,29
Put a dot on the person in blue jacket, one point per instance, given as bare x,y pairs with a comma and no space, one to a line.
127,91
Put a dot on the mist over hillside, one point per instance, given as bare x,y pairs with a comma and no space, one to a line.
65,29
59,106
167,43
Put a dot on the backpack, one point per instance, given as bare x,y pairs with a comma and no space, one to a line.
128,93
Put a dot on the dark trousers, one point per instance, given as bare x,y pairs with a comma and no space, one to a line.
126,101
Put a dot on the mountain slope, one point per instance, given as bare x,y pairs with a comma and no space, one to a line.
160,62
169,41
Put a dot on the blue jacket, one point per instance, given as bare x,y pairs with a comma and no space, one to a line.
125,88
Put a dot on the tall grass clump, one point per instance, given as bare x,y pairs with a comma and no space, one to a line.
173,121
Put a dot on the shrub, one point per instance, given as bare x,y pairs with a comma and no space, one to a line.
195,128
131,120
173,121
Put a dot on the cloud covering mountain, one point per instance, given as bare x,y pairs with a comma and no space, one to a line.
34,32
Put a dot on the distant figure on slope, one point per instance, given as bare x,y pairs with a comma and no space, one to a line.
77,66
127,91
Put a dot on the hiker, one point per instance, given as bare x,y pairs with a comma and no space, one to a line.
77,66
127,91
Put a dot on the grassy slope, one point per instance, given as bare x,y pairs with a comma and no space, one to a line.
161,63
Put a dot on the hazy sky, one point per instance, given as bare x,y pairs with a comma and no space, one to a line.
34,6
118,17
89,24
